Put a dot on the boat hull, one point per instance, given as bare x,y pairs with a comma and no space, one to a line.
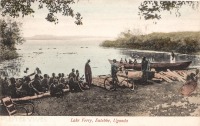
157,66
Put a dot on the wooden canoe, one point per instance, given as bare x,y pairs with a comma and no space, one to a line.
162,66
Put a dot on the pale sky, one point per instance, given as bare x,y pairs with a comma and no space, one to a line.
108,18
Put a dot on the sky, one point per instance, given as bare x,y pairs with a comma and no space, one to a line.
108,18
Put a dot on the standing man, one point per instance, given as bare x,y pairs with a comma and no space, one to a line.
172,57
144,69
114,70
88,73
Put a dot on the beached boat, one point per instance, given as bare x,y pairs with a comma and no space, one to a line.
162,66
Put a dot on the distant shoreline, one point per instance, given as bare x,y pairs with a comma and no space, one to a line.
52,37
180,42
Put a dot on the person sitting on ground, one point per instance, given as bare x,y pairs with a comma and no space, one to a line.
83,85
56,89
126,60
135,61
121,61
37,83
191,83
52,78
24,88
38,72
12,88
77,75
5,85
59,76
27,89
130,61
73,84
45,83
62,79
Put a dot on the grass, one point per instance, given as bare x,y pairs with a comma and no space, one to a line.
123,102
182,42
162,99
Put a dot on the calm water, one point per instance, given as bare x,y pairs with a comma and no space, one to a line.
60,56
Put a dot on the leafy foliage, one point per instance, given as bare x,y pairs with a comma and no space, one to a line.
183,42
8,54
16,8
153,9
10,34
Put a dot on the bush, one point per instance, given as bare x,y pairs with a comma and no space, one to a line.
8,54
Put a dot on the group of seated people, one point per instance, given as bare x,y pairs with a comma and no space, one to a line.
129,62
40,84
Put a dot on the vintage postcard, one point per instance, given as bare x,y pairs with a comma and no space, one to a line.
99,62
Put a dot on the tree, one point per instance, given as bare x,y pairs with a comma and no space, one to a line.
153,9
10,34
147,9
16,8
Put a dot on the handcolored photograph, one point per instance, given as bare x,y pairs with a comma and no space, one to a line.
99,58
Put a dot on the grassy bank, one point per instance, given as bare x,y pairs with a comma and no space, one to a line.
150,100
182,42
8,54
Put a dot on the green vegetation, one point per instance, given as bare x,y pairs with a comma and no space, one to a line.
17,8
182,42
151,10
8,54
10,35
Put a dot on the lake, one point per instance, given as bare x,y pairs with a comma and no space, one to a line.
60,56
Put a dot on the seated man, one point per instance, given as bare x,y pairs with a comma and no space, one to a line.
121,61
135,61
130,61
27,89
12,88
77,75
73,83
59,77
56,89
4,86
62,79
45,83
37,83
52,78
80,81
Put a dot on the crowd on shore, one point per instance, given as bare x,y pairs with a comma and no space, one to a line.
20,87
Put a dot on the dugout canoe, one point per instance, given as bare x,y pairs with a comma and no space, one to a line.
160,66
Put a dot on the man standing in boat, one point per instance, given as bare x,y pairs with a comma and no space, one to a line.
172,57
88,73
144,70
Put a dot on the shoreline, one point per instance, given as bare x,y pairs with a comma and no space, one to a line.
156,99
